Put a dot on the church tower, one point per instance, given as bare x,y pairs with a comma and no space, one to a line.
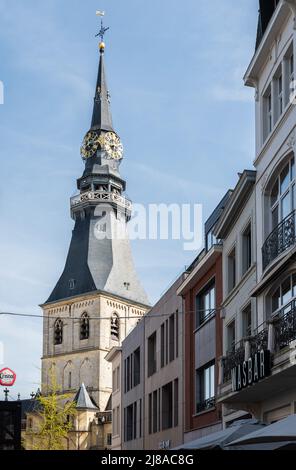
98,298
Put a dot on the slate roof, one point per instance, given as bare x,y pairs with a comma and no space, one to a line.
29,406
102,118
83,400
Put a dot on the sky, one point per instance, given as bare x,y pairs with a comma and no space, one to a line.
179,104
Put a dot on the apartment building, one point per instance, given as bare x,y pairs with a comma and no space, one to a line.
236,228
263,381
202,294
151,368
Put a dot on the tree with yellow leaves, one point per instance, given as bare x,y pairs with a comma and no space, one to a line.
56,413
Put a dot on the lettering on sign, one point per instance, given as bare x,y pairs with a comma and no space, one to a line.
256,368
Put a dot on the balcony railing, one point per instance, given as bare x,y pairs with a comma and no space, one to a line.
257,342
278,334
280,239
101,196
232,358
285,326
205,405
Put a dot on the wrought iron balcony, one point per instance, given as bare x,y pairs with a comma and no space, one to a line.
257,341
232,358
285,326
205,405
280,239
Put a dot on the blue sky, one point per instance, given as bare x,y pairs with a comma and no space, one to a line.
178,101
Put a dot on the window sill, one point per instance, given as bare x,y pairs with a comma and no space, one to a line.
205,322
213,408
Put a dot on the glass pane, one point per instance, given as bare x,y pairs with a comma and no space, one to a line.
212,300
286,205
274,193
292,169
207,303
207,384
285,179
286,291
212,381
280,85
209,240
294,285
275,217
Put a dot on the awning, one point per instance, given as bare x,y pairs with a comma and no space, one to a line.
221,439
279,432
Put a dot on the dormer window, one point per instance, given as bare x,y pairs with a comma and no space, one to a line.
72,284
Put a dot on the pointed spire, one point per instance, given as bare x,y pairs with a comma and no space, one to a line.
102,118
83,400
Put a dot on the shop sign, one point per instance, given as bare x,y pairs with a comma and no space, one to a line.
249,372
7,377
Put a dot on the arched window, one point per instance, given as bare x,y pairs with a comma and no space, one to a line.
84,326
282,195
115,327
58,331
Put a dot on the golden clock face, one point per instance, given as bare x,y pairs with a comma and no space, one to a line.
112,145
90,145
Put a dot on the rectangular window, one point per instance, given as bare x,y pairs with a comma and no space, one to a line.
211,240
231,337
172,338
140,418
291,75
150,413
176,402
269,113
109,439
247,249
113,381
280,95
166,351
231,270
135,420
128,374
205,388
136,367
152,354
205,305
118,377
167,406
162,345
125,377
247,321
129,421
177,333
118,420
155,411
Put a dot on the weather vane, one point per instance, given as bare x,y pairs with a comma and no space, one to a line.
103,30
